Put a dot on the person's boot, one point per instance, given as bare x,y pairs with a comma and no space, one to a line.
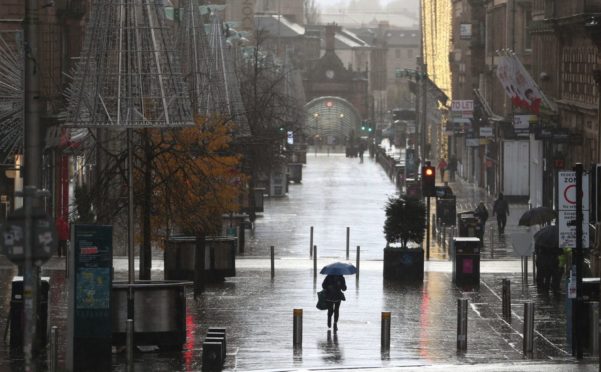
329,322
335,326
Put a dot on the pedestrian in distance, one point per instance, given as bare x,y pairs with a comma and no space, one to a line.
482,214
62,231
333,286
442,166
452,168
501,209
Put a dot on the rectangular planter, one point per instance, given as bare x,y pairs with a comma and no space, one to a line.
406,265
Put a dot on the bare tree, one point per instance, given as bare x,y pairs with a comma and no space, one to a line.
312,13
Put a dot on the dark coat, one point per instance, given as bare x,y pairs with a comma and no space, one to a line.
482,213
333,286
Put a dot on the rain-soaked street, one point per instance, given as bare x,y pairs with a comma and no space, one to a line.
338,192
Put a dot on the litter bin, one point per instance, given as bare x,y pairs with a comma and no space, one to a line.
180,255
17,316
295,172
469,224
465,254
446,208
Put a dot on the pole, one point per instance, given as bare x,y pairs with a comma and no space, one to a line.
314,261
348,236
462,324
528,327
53,362
578,259
385,331
31,177
593,342
130,225
506,299
272,262
311,242
130,344
427,229
297,328
358,259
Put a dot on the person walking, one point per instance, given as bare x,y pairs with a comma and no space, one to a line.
442,166
482,214
452,168
62,231
333,286
501,209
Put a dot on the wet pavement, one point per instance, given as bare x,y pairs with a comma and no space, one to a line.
337,192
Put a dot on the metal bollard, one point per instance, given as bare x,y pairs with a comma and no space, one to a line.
130,343
348,237
358,259
297,328
53,362
593,319
272,262
528,327
462,324
444,236
385,331
524,270
492,242
314,261
311,242
506,299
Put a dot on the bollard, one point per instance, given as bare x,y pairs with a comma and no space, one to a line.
315,261
53,362
506,299
593,320
272,262
348,236
311,242
297,328
524,270
492,242
433,224
385,331
462,324
130,343
528,327
444,236
358,259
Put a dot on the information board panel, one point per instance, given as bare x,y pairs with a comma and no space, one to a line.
90,300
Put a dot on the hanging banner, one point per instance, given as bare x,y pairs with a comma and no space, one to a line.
518,84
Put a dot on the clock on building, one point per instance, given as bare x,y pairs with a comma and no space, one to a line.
330,74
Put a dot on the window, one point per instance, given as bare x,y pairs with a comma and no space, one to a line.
397,53
410,53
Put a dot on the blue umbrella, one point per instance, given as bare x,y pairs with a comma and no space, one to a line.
338,268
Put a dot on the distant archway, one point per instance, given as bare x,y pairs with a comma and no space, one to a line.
332,120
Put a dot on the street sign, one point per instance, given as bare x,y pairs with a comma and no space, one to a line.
12,237
567,191
566,188
567,229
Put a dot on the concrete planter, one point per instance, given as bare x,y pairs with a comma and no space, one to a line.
404,264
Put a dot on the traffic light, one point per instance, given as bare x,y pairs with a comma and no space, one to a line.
428,180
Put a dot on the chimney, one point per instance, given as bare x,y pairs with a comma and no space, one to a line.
331,30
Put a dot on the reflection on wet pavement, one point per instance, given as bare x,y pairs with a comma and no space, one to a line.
257,311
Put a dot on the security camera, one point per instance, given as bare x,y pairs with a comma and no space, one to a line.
544,76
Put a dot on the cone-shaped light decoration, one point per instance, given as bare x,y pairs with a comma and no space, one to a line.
129,75
206,89
11,94
224,66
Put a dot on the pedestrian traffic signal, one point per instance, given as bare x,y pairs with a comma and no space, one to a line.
428,180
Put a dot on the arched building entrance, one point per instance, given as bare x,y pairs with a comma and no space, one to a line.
332,120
